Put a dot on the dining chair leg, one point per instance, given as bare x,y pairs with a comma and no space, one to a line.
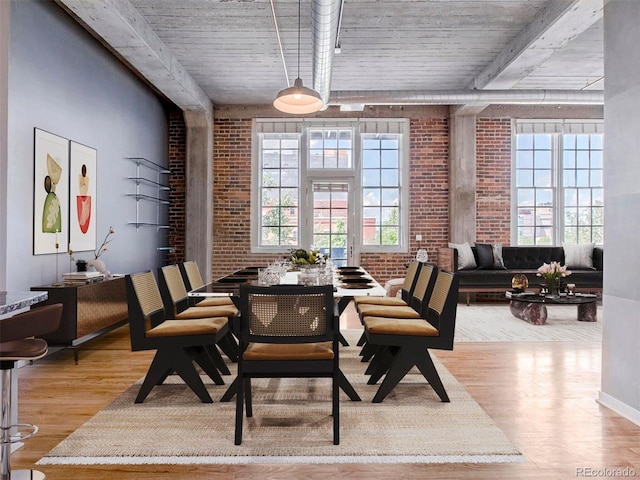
229,346
362,340
231,391
347,388
335,394
158,371
201,356
247,396
239,410
428,370
379,364
402,363
217,359
183,364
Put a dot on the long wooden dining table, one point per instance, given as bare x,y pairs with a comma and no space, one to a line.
348,283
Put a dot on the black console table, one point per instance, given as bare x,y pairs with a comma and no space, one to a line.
88,311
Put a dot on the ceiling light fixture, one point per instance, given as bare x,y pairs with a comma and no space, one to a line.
298,99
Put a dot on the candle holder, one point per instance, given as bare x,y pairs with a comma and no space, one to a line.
57,283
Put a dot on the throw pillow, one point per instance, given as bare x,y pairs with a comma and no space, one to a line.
490,256
578,255
498,261
485,256
466,260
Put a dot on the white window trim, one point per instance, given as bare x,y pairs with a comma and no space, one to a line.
556,128
360,126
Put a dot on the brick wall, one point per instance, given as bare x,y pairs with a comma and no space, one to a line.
428,197
429,192
177,182
493,184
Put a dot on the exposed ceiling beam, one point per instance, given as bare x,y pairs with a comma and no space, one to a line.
118,25
560,22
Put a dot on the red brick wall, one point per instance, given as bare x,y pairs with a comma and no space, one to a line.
429,192
177,182
493,184
428,198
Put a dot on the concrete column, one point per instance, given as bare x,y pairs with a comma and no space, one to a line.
199,190
462,178
620,385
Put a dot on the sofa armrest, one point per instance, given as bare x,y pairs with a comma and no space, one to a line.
448,259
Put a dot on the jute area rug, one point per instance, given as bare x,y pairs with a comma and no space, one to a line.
292,424
495,323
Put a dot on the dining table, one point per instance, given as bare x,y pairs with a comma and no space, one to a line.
348,282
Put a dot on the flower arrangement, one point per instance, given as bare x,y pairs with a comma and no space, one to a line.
552,273
103,248
300,256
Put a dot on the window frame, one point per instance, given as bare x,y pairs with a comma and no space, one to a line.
359,128
557,131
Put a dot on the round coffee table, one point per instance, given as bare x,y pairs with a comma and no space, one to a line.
533,308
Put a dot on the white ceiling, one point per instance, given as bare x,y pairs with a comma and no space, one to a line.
227,50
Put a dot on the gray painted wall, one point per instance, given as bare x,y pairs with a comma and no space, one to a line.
63,81
620,388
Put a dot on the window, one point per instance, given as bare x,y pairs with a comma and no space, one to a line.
381,189
365,164
558,187
279,190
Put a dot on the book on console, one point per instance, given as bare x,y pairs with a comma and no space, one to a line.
82,275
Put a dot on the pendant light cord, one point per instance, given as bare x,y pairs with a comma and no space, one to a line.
299,1
284,64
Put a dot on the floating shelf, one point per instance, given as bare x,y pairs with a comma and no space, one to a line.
150,186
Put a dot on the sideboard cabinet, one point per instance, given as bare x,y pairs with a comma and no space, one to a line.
88,311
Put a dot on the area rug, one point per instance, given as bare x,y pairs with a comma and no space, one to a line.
495,323
292,424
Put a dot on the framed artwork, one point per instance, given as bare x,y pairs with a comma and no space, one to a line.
82,197
50,193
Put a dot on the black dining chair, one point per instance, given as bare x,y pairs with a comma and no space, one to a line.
193,280
287,331
404,343
178,343
176,301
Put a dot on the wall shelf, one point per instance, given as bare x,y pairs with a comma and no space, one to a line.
150,187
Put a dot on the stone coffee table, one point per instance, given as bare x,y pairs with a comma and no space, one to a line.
533,308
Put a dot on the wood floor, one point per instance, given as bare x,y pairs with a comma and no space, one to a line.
542,395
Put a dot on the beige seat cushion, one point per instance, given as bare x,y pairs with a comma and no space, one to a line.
291,351
200,326
400,326
387,311
395,301
214,302
205,312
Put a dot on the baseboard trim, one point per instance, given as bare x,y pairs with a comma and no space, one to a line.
619,407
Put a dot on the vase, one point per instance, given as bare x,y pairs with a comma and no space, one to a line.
98,265
553,287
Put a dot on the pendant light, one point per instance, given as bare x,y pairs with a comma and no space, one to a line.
298,99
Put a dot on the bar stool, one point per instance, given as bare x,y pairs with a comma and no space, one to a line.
17,344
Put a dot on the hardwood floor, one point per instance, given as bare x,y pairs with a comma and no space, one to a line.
541,394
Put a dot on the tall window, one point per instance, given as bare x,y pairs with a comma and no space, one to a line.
381,189
558,185
583,189
358,168
279,190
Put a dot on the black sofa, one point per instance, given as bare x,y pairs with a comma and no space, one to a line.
525,260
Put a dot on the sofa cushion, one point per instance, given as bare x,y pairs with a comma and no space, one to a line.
489,256
578,255
485,256
466,260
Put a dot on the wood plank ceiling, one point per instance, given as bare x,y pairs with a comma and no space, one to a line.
227,51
